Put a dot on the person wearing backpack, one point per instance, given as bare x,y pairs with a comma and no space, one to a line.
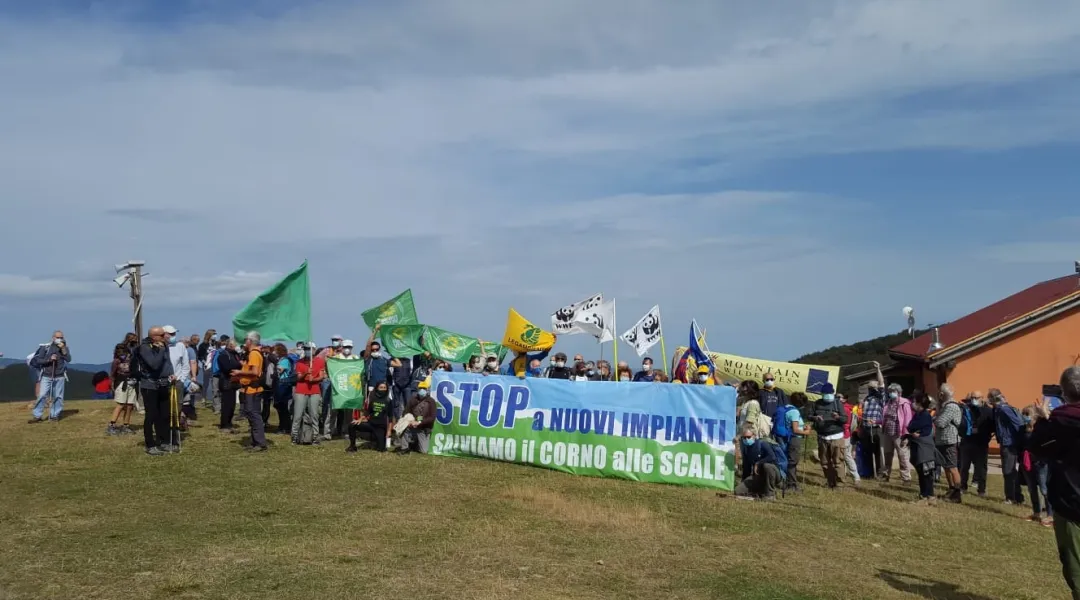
761,473
828,417
976,428
790,432
1007,423
947,438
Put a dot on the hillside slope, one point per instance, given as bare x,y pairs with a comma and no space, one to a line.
859,352
15,384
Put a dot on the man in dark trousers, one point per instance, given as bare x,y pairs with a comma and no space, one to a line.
976,429
1056,440
760,472
152,368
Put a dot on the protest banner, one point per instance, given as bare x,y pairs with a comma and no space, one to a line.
790,377
678,434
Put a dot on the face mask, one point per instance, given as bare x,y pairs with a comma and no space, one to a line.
335,344
1027,420
58,341
703,378
560,364
347,351
307,353
590,372
748,442
375,354
380,393
827,397
769,383
422,393
976,401
646,367
624,378
173,341
492,364
535,372
893,395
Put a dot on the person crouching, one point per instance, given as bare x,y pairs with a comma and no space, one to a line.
374,419
414,428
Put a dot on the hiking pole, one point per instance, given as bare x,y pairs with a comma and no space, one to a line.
174,418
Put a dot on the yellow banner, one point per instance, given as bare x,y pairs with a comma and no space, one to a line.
790,377
523,336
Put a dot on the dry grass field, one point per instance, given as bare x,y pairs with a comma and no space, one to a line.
89,516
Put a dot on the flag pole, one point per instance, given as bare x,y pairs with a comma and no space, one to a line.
663,349
614,327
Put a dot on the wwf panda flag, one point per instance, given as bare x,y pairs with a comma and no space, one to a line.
564,321
598,321
646,333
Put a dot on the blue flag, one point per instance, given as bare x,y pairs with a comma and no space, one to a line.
700,356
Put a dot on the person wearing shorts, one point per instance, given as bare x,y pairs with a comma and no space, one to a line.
124,390
947,440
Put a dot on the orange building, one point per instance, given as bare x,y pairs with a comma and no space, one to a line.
1017,345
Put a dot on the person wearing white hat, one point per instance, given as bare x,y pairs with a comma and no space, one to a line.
181,361
335,422
330,351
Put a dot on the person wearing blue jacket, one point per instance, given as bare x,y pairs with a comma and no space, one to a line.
51,361
760,471
1007,427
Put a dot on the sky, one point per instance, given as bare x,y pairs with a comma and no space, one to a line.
791,173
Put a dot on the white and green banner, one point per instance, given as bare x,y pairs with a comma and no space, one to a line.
680,434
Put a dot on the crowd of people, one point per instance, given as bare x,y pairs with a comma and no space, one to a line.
166,376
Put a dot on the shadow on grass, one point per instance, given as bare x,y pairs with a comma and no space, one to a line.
883,494
71,412
990,509
927,588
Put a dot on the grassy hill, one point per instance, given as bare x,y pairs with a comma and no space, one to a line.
15,384
859,352
84,515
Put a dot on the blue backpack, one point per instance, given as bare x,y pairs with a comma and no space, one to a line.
781,431
215,368
965,420
781,465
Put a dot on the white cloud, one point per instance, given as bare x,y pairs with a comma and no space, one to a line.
491,153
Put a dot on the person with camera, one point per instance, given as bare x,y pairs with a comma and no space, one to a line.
152,368
52,361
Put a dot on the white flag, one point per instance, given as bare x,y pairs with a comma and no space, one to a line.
563,321
646,333
598,321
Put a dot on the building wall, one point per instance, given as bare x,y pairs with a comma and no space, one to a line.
1020,364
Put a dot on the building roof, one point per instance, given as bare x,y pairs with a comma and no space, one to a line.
1003,315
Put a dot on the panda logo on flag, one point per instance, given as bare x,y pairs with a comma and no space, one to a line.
595,320
565,314
631,337
650,325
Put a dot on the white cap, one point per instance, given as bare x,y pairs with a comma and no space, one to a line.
169,329
347,344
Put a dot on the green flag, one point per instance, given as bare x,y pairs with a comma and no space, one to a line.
347,381
492,348
449,346
398,311
401,340
281,313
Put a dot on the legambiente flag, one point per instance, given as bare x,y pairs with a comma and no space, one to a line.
563,321
645,333
598,321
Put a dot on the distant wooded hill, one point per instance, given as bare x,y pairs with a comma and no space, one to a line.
7,362
859,352
15,384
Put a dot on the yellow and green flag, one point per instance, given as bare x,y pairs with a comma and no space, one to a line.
523,336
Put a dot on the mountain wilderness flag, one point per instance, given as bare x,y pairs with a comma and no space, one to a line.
398,311
401,341
493,349
598,321
347,381
523,336
450,346
645,333
563,321
281,313
790,377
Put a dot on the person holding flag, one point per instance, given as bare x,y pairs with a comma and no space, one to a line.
529,343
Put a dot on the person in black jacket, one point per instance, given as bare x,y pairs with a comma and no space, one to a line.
760,473
828,417
228,360
401,384
975,444
151,367
1056,440
558,368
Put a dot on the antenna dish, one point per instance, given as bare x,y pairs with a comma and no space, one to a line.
908,311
